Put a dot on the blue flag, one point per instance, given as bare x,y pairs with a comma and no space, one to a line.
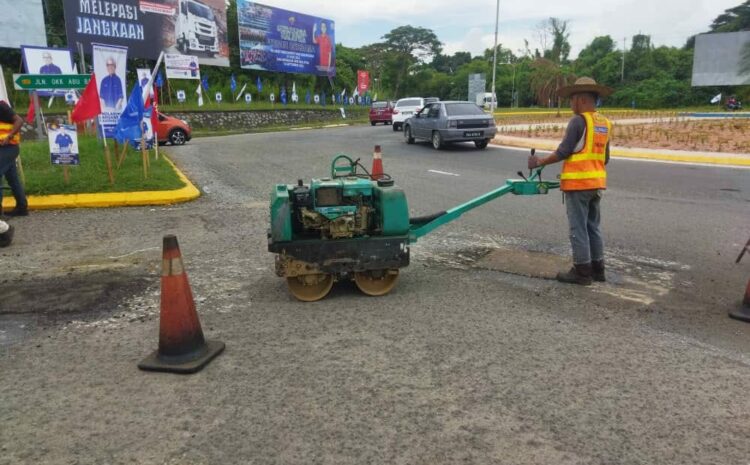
283,95
307,97
204,82
129,124
233,84
159,80
259,84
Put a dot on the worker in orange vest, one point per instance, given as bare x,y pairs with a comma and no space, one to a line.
10,125
584,152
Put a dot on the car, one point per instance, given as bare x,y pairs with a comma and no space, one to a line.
404,109
454,121
381,112
173,130
431,100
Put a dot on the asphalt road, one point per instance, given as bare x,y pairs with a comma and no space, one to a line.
475,357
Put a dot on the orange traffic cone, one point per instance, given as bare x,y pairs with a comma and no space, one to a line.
182,348
377,164
743,313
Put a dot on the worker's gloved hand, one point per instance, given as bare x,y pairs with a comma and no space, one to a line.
533,162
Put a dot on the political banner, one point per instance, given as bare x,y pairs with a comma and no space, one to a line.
148,27
363,81
144,74
148,131
181,96
110,68
23,23
43,60
273,39
182,66
63,144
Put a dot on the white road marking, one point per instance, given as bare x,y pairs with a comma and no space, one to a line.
443,172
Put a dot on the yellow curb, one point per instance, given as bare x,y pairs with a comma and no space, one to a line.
113,199
727,161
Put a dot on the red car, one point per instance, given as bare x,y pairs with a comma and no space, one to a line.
173,130
381,112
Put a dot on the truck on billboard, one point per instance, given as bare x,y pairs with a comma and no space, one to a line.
148,27
273,39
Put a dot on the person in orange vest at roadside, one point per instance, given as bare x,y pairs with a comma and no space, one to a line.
10,125
584,152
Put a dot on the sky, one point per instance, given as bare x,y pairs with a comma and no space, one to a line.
469,25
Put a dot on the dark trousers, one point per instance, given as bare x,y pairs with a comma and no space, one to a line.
8,155
583,218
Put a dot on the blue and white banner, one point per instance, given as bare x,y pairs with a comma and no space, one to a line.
63,144
110,66
272,39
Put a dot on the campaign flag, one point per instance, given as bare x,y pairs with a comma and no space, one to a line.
233,83
129,125
307,97
323,98
88,105
31,113
204,82
155,113
283,95
259,84
716,99
199,91
159,80
363,81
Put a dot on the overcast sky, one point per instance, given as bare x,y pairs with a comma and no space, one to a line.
469,25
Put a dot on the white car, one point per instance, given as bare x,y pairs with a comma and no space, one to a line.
405,109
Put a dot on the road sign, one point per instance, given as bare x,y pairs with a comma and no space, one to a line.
50,81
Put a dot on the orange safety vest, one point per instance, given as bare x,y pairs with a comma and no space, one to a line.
7,128
585,170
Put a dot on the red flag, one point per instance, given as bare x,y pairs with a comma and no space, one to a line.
31,113
154,114
88,105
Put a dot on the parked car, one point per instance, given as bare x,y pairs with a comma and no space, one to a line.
446,122
404,109
381,112
173,130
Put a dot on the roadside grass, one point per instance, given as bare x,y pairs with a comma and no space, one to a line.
362,119
42,178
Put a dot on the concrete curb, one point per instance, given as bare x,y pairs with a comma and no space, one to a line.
646,154
112,199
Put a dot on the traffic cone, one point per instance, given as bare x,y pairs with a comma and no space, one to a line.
182,348
377,164
743,313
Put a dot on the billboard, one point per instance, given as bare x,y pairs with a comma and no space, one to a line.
148,27
26,16
182,66
722,59
272,39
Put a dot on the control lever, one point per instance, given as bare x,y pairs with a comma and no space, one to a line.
533,153
521,174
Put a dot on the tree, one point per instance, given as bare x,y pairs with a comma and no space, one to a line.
733,19
546,80
593,53
408,45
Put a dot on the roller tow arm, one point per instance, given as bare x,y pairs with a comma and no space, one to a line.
533,185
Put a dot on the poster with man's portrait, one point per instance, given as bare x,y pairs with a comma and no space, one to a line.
43,60
110,68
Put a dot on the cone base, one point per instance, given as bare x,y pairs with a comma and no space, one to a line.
154,363
742,314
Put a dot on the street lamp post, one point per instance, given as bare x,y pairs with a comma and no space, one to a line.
494,60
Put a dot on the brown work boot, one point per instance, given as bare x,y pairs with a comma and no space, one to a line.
578,274
597,268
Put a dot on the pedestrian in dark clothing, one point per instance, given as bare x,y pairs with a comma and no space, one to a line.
10,125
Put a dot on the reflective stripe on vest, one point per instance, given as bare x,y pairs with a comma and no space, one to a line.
7,128
585,170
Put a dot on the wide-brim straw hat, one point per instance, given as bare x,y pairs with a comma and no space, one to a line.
585,84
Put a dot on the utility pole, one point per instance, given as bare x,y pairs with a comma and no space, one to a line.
494,60
622,72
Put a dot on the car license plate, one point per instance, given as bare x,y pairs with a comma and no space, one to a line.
473,134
